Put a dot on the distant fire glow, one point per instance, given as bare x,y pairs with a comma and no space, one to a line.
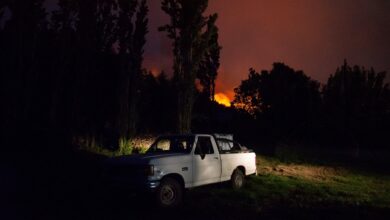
155,71
222,99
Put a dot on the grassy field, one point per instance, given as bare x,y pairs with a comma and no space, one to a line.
298,191
281,191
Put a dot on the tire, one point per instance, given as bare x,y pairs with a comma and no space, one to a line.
170,193
238,179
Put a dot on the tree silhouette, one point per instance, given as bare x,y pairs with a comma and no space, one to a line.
356,102
191,33
73,73
139,41
286,98
19,53
63,25
158,105
79,74
247,95
131,41
106,26
208,68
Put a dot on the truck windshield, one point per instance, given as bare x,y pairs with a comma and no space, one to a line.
172,144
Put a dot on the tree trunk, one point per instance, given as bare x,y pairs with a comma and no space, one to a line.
132,99
186,92
185,104
123,98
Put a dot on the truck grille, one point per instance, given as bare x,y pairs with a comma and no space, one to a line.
126,171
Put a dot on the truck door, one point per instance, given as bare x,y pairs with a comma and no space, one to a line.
206,162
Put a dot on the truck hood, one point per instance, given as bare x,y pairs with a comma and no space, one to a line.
143,159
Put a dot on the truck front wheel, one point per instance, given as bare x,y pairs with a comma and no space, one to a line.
169,193
237,179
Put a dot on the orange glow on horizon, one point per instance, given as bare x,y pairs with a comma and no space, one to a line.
155,71
222,99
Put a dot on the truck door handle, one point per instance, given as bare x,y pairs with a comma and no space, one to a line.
216,158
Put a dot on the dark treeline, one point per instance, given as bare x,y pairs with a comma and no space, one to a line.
77,72
352,110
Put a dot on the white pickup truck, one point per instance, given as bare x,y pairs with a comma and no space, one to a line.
177,162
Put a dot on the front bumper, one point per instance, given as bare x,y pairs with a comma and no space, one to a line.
133,184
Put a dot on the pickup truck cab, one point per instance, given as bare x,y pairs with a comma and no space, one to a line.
177,162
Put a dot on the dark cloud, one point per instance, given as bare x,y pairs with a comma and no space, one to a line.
314,36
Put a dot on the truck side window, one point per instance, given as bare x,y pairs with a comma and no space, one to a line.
163,144
225,145
204,145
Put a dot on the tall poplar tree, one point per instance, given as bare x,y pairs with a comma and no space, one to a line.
190,32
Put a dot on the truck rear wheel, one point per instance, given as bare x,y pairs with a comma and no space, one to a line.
169,193
238,179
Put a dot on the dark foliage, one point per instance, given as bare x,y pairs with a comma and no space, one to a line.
73,73
283,100
191,33
158,105
357,106
78,72
209,65
351,111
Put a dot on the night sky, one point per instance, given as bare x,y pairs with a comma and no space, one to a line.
310,35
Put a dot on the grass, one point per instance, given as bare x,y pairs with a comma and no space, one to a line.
282,190
301,186
293,184
126,146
